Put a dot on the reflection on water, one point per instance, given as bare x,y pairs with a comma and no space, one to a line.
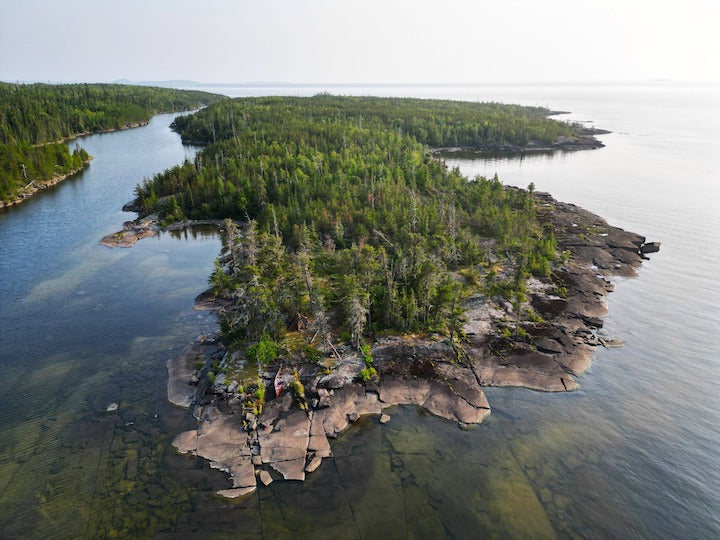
488,159
632,454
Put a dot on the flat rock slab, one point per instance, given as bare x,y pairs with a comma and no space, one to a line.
220,440
284,443
186,441
318,441
343,374
132,232
463,383
519,371
396,391
444,403
438,398
346,406
180,372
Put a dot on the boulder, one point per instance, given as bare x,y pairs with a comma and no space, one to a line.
442,402
650,247
265,478
314,464
549,346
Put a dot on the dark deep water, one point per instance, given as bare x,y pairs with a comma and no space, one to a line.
632,454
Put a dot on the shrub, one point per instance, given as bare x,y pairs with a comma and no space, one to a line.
264,351
368,373
259,395
312,353
298,390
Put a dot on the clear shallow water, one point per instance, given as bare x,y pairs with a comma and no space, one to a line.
634,453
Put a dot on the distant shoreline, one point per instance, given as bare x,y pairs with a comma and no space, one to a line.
39,185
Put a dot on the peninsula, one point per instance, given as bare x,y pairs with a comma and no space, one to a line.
359,272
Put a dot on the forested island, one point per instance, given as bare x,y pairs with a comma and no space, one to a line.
359,272
35,119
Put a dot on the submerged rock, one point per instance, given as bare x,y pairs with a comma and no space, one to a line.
314,464
181,370
236,492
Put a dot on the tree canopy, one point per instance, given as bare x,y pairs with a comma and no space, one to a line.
350,225
34,118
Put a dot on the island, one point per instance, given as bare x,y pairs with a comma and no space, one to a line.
359,272
37,119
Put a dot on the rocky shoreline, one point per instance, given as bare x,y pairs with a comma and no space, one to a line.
137,229
38,185
585,140
289,437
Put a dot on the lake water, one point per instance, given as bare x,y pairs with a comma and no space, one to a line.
632,454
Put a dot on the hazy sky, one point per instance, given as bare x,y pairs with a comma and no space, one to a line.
360,41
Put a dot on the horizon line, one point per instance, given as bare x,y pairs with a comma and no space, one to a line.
289,84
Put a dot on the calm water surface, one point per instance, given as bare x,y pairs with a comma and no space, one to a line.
633,454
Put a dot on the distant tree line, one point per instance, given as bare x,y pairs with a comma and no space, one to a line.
34,118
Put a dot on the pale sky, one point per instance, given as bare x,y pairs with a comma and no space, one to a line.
370,41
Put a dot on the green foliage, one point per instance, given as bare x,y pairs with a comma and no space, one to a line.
298,390
34,118
312,353
264,351
534,316
543,253
219,280
22,164
259,395
366,354
368,373
260,391
40,113
437,123
351,223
